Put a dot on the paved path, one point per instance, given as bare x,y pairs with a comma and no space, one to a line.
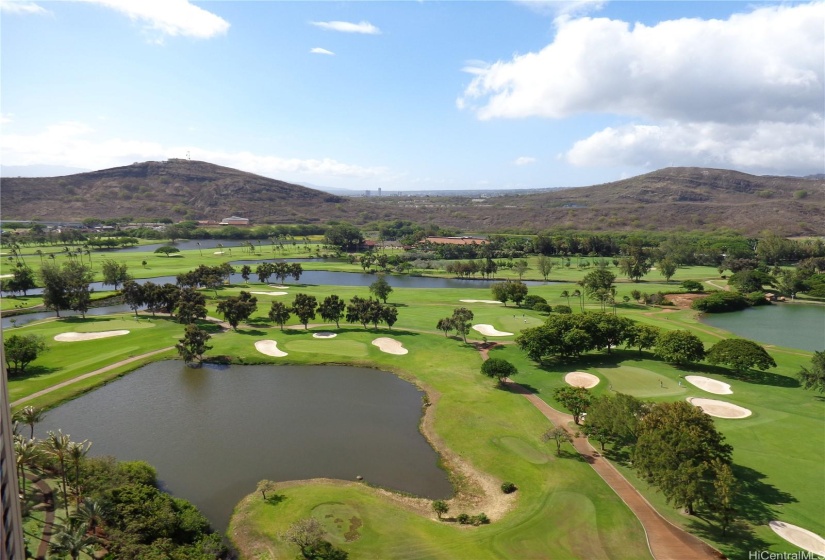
48,522
665,540
88,375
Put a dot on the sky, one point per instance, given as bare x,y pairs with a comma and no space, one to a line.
412,95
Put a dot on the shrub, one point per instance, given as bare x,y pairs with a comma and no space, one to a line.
508,487
720,302
542,308
463,518
563,309
756,298
692,286
532,300
480,519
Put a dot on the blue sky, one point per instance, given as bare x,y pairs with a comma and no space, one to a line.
416,95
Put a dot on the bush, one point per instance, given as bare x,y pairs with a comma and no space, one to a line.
692,286
508,487
531,301
720,302
542,308
463,518
563,309
480,519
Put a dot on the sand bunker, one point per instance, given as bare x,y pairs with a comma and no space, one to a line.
489,330
709,385
581,379
12,276
79,336
278,287
270,348
269,293
218,253
324,335
720,409
479,301
390,346
799,537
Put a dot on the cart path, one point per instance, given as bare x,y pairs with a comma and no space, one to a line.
665,540
90,374
48,521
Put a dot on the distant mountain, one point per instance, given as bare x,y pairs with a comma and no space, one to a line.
676,198
177,188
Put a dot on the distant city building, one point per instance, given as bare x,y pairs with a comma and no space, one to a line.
455,240
235,221
207,223
11,527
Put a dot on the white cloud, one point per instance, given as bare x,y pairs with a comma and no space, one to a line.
170,17
319,50
563,8
22,7
769,147
348,27
524,160
728,83
70,144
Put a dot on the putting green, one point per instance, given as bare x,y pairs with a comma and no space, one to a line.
340,521
335,347
523,449
641,382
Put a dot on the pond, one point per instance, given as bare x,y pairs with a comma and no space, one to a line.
789,325
213,433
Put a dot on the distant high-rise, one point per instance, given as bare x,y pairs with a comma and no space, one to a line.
11,528
379,191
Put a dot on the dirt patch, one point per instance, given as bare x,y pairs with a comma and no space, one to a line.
79,337
683,301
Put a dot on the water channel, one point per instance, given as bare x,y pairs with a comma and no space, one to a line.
213,433
783,324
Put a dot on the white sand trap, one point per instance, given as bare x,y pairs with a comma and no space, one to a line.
720,409
6,275
390,346
709,385
799,537
79,336
270,348
324,335
581,379
480,301
269,293
490,330
218,253
278,287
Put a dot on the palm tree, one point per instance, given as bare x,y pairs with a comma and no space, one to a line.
71,539
26,453
565,294
39,253
93,513
76,452
58,445
578,294
29,415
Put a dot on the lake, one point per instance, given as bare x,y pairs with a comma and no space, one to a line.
212,433
783,324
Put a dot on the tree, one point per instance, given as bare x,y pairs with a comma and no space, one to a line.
193,344
677,446
667,268
307,534
440,507
614,419
499,369
389,315
343,236
115,273
692,286
93,513
71,539
679,347
26,452
167,250
461,319
265,486
642,336
279,313
304,308
520,267
725,490
55,288
78,277
574,399
740,354
22,280
191,306
381,288
77,451
814,378
332,308
133,295
246,272
637,262
57,445
500,292
30,416
21,350
559,435
446,325
545,265
238,308
509,290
